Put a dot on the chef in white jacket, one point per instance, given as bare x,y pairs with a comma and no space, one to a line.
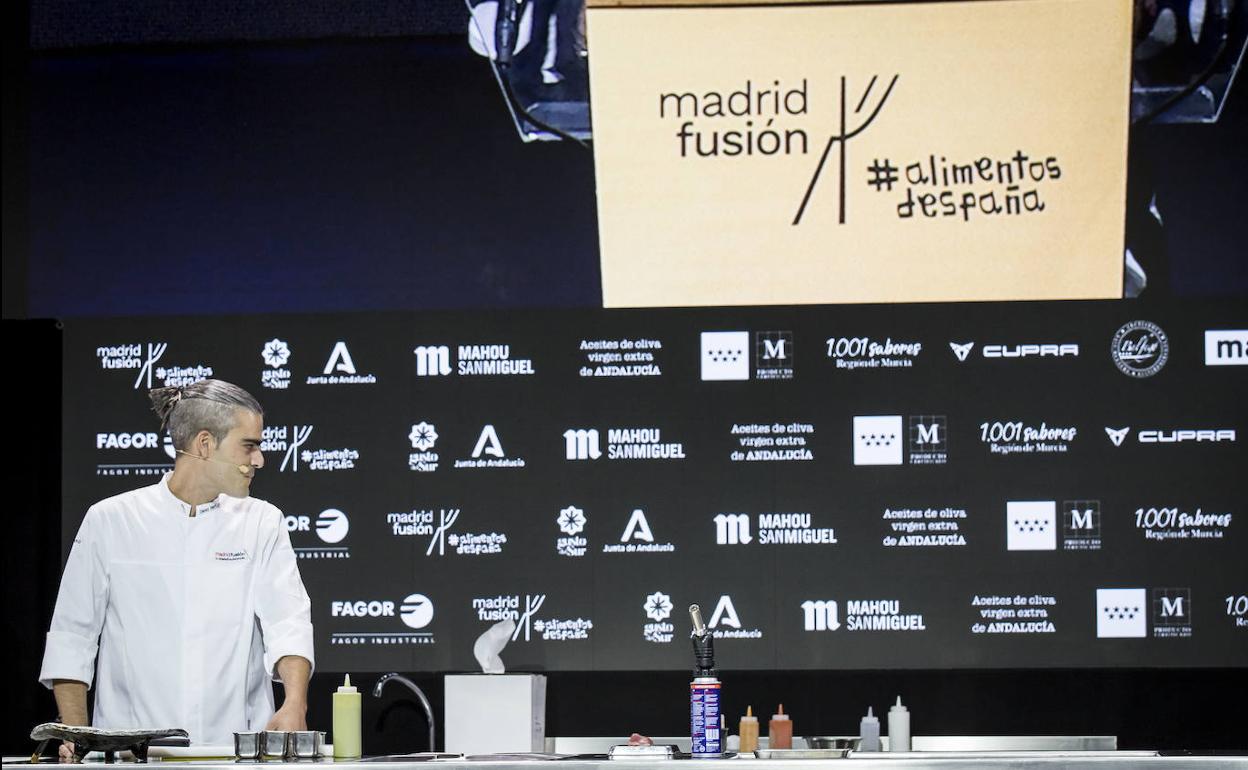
186,592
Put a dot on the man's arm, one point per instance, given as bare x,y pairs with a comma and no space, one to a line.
285,615
73,638
71,704
71,701
294,671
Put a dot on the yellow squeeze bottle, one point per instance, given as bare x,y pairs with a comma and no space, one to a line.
347,721
748,731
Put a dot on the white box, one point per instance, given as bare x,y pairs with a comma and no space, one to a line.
1031,525
495,713
877,440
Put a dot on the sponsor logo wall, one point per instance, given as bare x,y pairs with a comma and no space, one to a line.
985,485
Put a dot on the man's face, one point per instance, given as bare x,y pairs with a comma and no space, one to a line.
241,447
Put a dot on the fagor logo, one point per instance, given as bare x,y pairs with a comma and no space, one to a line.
1226,347
127,441
145,441
822,615
581,444
433,360
416,610
332,526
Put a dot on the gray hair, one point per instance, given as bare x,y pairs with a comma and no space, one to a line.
205,405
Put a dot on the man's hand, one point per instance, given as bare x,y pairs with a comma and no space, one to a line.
289,718
294,672
71,704
65,754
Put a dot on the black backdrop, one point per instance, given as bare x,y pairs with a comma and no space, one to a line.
1160,708
910,496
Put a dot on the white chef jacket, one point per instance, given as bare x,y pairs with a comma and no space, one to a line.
191,614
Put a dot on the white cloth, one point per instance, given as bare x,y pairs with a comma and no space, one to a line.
191,614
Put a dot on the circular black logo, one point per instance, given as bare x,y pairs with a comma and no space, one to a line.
1140,349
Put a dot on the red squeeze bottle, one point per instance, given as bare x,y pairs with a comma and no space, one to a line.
780,730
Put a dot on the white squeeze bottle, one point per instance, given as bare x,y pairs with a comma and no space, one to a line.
869,732
898,727
347,721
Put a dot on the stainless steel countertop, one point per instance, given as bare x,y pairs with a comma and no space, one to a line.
1021,760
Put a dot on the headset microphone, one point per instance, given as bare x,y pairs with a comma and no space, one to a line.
243,469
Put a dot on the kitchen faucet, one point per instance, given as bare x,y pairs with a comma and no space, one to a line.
420,695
